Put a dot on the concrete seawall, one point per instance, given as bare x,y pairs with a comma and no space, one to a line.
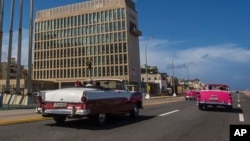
245,92
16,100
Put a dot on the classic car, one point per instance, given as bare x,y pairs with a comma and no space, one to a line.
191,94
215,95
105,97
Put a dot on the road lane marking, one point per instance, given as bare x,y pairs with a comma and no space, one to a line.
241,118
168,113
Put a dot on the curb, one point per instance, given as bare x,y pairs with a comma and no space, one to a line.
23,120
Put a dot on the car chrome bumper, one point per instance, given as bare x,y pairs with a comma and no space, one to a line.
71,112
190,96
215,103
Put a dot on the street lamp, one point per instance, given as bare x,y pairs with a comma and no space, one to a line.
174,94
146,67
187,72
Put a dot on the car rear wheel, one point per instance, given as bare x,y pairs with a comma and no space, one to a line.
229,108
202,107
135,112
59,119
102,119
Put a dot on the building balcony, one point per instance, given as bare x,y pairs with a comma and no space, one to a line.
135,31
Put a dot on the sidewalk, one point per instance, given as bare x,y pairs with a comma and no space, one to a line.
14,116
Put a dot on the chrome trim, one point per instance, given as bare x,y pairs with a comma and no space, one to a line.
214,103
67,111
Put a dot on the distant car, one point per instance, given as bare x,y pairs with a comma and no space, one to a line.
215,95
191,94
103,98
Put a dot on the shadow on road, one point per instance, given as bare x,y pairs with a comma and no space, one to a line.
222,109
113,122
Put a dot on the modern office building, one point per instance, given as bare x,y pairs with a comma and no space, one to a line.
103,33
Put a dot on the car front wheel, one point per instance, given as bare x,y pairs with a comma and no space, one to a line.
102,119
135,112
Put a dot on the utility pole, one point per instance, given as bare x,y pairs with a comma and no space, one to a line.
30,48
7,89
187,72
1,30
174,94
146,68
19,48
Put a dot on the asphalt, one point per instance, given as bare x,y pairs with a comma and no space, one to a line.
24,114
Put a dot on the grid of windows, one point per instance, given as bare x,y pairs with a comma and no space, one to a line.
63,45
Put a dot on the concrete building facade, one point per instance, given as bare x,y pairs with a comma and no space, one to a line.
13,75
101,33
157,82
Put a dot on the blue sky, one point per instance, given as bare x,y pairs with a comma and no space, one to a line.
206,39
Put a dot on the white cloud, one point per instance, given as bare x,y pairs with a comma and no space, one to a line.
210,63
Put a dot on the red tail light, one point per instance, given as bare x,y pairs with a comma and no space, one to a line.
84,99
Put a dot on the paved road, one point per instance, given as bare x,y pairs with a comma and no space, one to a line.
29,115
175,121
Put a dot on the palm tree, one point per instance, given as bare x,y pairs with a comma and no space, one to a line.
25,73
89,64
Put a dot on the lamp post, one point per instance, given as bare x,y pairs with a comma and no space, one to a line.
7,89
174,94
146,67
30,47
187,72
1,28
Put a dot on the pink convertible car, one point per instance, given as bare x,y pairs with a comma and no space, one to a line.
215,95
191,94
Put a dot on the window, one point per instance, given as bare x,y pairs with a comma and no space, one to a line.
119,13
114,14
104,72
121,70
123,13
103,16
94,17
98,17
86,19
106,16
